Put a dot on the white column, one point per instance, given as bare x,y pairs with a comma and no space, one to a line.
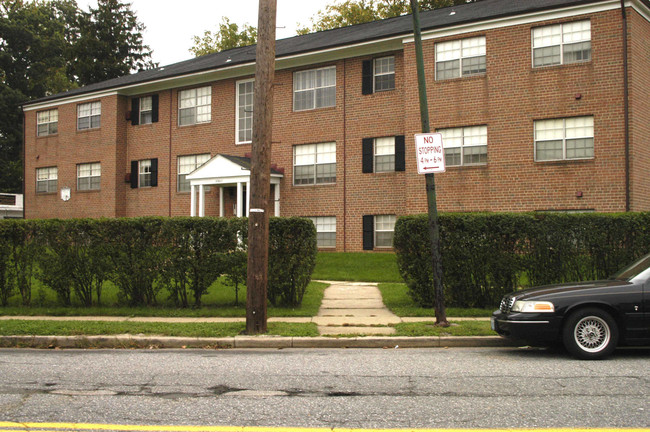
248,197
277,199
239,192
192,200
221,209
201,201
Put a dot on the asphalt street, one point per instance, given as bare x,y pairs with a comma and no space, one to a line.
355,388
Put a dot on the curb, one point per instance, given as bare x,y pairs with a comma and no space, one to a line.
248,342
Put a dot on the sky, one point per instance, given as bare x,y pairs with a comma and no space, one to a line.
171,24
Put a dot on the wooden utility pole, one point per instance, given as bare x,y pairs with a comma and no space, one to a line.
434,229
260,184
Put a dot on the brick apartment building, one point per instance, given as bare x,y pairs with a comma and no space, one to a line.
543,105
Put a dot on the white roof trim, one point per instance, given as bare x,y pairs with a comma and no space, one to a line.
73,99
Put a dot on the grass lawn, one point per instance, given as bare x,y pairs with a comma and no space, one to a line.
396,298
459,328
356,267
89,328
218,302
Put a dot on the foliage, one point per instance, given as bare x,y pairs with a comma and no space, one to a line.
47,47
227,37
485,256
6,288
292,258
74,259
236,271
351,12
197,255
22,252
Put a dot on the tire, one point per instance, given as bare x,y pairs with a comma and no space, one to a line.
590,334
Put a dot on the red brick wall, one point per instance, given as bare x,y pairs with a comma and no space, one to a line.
639,73
508,99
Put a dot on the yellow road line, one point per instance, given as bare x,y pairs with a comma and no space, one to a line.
56,427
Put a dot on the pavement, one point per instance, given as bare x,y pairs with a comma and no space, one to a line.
352,315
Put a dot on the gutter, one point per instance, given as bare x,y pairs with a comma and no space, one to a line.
626,107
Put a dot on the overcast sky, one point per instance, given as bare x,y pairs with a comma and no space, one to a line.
171,24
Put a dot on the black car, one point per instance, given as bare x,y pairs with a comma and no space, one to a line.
590,318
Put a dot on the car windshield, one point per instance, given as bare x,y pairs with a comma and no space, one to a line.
640,268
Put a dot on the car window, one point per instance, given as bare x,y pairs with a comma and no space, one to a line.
638,269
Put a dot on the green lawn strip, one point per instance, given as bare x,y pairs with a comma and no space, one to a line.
90,328
356,267
459,328
396,298
219,302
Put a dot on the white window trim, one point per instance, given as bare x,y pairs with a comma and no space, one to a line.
375,75
48,180
564,140
48,123
314,107
561,45
91,176
315,164
463,145
461,58
141,111
374,156
315,219
178,168
196,106
376,230
141,165
93,105
237,141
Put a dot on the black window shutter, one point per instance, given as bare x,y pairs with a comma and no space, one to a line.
368,232
134,174
154,172
366,71
400,157
154,109
367,152
135,111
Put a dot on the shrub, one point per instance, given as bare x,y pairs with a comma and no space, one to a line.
6,288
22,250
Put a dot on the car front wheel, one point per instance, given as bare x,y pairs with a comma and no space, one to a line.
590,333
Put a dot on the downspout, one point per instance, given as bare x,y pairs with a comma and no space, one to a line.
169,177
626,108
345,142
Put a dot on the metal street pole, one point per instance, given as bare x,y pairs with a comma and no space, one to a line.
260,184
434,230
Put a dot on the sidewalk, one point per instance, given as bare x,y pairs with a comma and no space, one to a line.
348,308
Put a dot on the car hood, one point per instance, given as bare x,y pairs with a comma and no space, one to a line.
548,291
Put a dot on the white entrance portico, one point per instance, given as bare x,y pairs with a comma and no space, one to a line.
227,171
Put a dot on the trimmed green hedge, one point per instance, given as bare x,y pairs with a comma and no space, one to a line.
144,256
485,256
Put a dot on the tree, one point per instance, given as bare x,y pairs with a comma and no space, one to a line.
352,12
110,44
228,36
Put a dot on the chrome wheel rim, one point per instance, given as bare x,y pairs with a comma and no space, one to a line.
592,334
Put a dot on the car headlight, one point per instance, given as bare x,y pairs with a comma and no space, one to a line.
533,306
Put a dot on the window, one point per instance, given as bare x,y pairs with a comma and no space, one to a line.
144,170
562,44
88,176
378,231
146,110
559,139
465,146
384,74
314,163
245,111
325,231
314,88
89,115
47,179
384,154
187,164
47,122
460,58
195,106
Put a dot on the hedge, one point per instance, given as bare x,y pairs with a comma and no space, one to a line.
144,256
485,256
